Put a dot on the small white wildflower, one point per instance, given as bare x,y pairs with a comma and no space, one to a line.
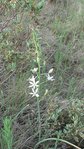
33,83
34,70
34,92
50,78
50,71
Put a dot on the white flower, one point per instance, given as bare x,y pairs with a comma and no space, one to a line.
50,71
33,83
34,70
50,78
34,92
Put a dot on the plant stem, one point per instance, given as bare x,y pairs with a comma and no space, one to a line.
39,118
56,139
38,51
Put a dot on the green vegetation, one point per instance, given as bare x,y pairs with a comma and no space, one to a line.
6,134
41,74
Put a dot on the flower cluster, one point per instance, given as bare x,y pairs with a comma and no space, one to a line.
34,86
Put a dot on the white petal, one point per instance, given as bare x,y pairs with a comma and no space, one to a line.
51,70
37,82
37,95
31,93
31,82
32,79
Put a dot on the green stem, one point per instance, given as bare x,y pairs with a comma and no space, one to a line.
37,49
56,139
38,103
39,118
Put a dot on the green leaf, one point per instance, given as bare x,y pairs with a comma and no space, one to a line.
40,5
